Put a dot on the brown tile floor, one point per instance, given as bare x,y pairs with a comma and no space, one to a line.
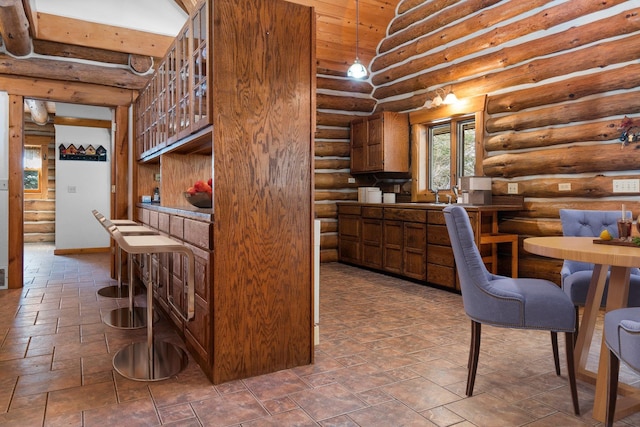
391,353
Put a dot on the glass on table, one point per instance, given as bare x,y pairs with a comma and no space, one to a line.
624,229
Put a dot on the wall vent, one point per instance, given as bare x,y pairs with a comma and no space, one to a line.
3,279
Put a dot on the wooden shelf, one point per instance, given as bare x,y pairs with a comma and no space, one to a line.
198,143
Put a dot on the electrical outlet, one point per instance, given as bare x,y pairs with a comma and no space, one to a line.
565,186
351,180
157,177
626,185
71,189
512,188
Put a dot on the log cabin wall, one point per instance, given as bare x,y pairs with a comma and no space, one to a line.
559,77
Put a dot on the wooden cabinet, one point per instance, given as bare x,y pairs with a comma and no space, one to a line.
405,242
176,102
349,234
440,263
380,143
170,292
383,238
414,242
257,283
371,226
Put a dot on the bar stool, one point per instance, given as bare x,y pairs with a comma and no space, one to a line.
119,290
154,360
130,317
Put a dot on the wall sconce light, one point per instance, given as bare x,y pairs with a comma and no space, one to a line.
451,98
357,70
447,98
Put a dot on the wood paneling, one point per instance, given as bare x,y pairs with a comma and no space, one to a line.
16,210
263,156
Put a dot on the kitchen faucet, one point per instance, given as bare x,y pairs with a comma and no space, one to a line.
437,195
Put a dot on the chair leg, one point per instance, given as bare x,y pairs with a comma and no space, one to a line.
571,369
554,347
575,336
612,388
474,352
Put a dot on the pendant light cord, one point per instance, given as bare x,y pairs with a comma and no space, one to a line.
357,25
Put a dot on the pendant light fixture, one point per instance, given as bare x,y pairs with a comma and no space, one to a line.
357,70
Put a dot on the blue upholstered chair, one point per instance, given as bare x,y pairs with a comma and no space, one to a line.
575,276
622,337
506,302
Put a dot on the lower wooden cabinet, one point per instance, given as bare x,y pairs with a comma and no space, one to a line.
415,250
440,262
171,270
349,234
410,242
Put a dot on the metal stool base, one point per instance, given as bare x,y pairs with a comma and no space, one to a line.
124,318
114,291
132,362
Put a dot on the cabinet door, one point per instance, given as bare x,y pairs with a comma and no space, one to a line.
374,144
359,135
349,245
200,113
415,250
161,104
183,59
393,242
172,94
372,242
198,330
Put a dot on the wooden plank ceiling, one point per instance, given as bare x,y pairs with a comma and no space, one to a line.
70,49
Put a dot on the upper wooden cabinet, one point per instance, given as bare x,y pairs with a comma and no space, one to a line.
176,102
380,143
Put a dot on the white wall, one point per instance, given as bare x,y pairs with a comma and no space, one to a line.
4,193
82,186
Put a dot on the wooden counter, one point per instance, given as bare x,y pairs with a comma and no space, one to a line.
411,239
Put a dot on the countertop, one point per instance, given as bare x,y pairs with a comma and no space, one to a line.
439,206
187,212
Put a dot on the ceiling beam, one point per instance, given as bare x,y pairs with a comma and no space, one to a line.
138,63
74,93
187,6
71,71
14,28
83,33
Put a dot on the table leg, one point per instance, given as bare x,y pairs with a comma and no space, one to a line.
616,298
589,317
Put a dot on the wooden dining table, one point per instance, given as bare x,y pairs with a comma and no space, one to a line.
619,259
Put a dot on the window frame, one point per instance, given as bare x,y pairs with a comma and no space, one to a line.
420,122
40,188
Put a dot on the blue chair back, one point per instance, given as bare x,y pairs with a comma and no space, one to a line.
475,280
587,223
622,335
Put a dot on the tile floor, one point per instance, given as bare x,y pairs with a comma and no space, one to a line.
391,353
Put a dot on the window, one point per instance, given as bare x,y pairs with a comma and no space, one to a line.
450,154
33,168
445,145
